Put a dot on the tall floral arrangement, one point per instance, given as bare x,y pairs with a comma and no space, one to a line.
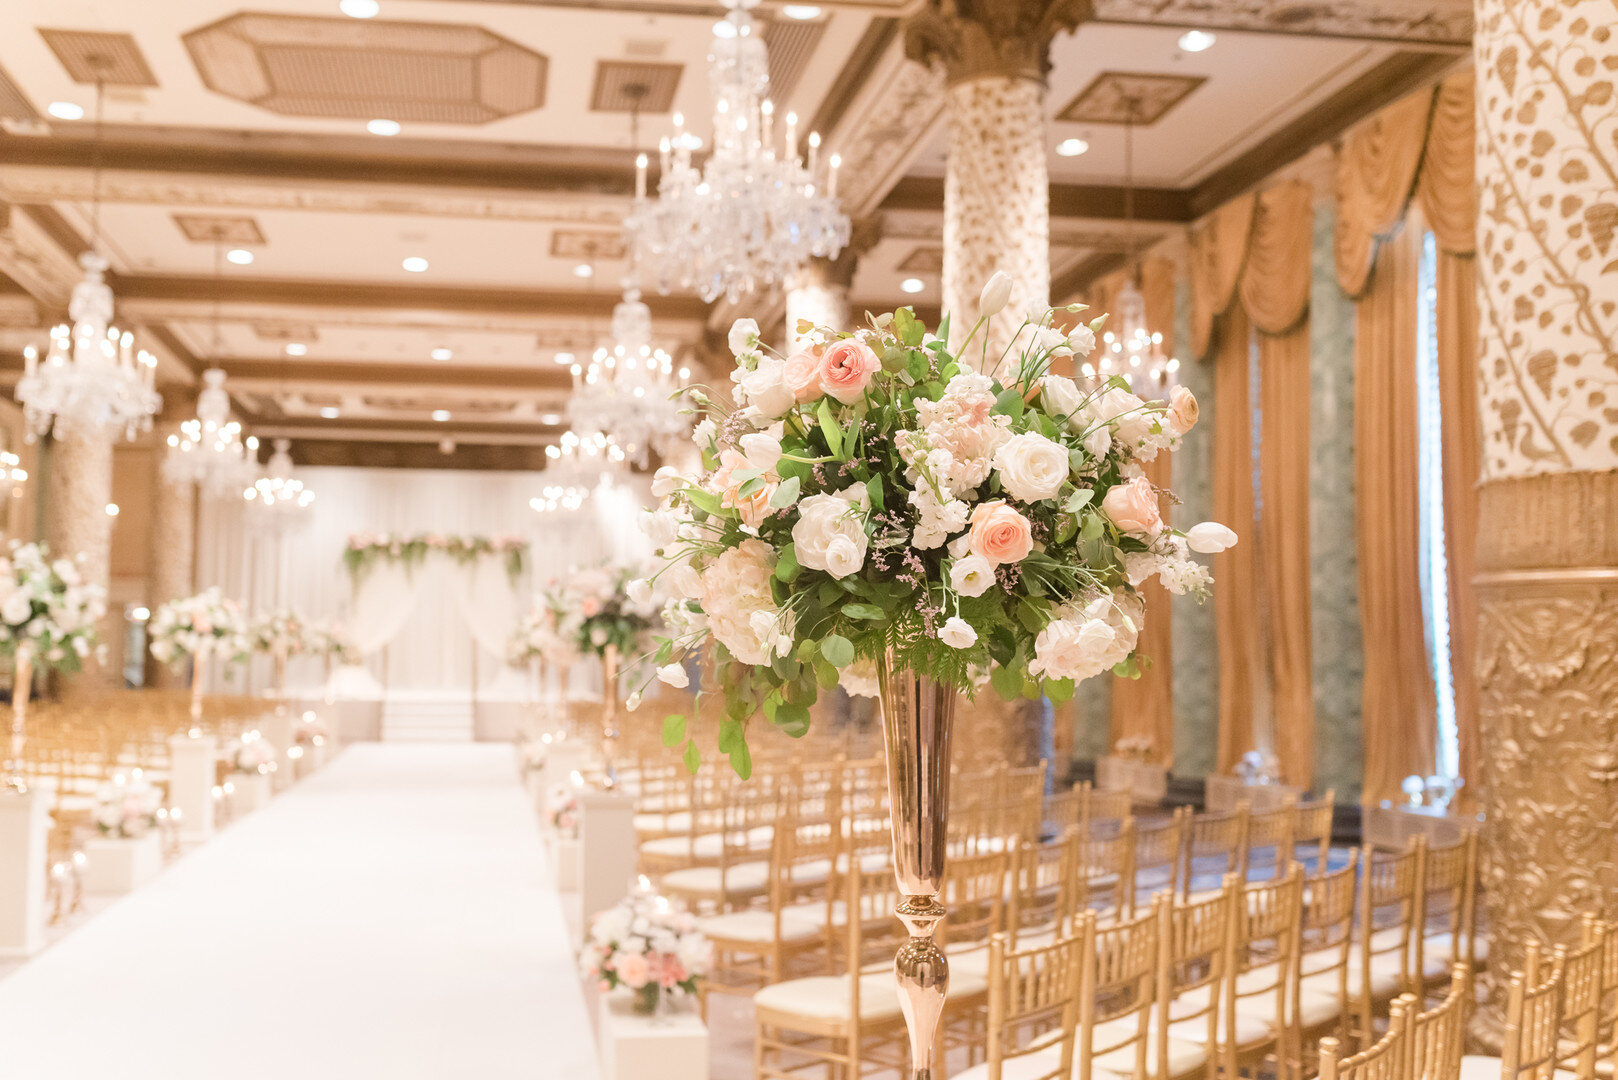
540,633
282,632
330,641
607,605
209,620
880,494
48,611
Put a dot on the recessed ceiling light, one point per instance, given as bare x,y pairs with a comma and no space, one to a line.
551,418
584,270
443,354
415,264
1197,40
360,9
239,256
65,110
330,412
297,348
112,509
912,285
800,11
440,415
382,127
564,358
1072,147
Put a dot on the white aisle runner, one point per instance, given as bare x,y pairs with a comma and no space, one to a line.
388,918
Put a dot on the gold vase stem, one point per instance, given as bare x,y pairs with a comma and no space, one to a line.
22,687
609,714
917,717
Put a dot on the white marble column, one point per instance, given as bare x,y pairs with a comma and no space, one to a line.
77,523
174,531
1547,644
816,301
996,190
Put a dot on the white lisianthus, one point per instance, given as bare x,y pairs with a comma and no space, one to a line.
702,436
996,292
1210,537
1061,397
958,633
1031,467
844,557
660,526
971,575
766,388
639,591
1127,414
666,481
1082,340
743,337
633,702
684,580
1073,648
823,519
673,675
761,449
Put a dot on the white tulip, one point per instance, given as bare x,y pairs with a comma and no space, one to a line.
761,449
743,336
639,591
666,481
674,675
996,292
1210,537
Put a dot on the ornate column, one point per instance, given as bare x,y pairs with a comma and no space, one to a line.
77,493
174,529
996,56
1547,567
819,292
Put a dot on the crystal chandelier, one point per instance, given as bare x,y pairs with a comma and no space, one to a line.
626,391
11,473
279,497
209,450
576,468
752,215
91,378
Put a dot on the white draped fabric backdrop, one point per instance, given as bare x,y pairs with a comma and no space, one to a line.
439,628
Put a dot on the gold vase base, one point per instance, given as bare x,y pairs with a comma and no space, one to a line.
922,971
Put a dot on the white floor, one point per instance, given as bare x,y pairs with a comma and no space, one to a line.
390,917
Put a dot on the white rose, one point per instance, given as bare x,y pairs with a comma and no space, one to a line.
666,481
1061,397
16,608
743,336
844,557
958,633
1210,537
660,527
639,591
766,388
822,519
1126,412
674,675
971,576
1072,648
996,292
1031,467
761,449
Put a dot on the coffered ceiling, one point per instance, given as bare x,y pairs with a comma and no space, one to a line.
511,168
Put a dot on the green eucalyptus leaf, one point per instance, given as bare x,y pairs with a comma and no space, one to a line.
1010,403
786,563
837,650
741,760
786,493
1079,500
856,610
693,757
673,730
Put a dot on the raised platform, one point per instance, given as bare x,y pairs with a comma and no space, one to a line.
427,718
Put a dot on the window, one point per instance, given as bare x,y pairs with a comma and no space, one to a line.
1430,463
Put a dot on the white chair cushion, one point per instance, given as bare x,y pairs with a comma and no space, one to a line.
1384,974
707,846
829,997
1183,1056
1475,1067
1024,1067
677,822
756,925
743,879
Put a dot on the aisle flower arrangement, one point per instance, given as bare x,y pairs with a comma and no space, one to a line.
252,754
207,621
126,807
48,612
365,550
879,498
607,606
282,633
564,810
647,946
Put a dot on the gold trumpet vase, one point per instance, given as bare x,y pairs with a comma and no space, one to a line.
199,661
917,716
22,685
609,715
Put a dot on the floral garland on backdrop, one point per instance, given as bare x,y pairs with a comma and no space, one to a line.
876,493
179,628
607,605
47,610
365,550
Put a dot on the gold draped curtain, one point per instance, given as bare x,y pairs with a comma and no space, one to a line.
1420,148
1250,277
1144,707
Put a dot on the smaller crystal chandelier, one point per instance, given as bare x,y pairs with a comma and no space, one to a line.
209,450
563,497
278,496
577,468
626,391
753,214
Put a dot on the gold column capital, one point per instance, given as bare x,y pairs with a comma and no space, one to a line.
977,38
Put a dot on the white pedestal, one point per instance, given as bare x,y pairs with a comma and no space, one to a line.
562,760
566,849
24,830
253,790
279,729
118,865
607,849
672,1045
192,769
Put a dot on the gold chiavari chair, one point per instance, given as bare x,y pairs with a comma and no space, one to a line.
1325,955
1533,1027
1265,969
1387,1059
1104,805
1104,866
1033,1011
1438,1036
1447,934
1215,845
1311,832
1063,810
741,872
1389,912
974,894
1579,1046
1593,929
1157,853
1044,893
1195,955
1268,848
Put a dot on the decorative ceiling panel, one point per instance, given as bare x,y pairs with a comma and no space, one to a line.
635,86
91,56
923,260
219,228
278,331
1437,22
14,104
300,65
790,43
1121,97
588,245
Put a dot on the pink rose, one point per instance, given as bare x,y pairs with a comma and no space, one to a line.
802,373
753,508
846,369
999,533
1182,410
1133,508
589,606
633,970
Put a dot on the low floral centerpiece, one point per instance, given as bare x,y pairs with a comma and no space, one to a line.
48,615
647,946
126,807
881,497
564,811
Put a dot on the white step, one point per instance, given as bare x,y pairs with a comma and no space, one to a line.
427,719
